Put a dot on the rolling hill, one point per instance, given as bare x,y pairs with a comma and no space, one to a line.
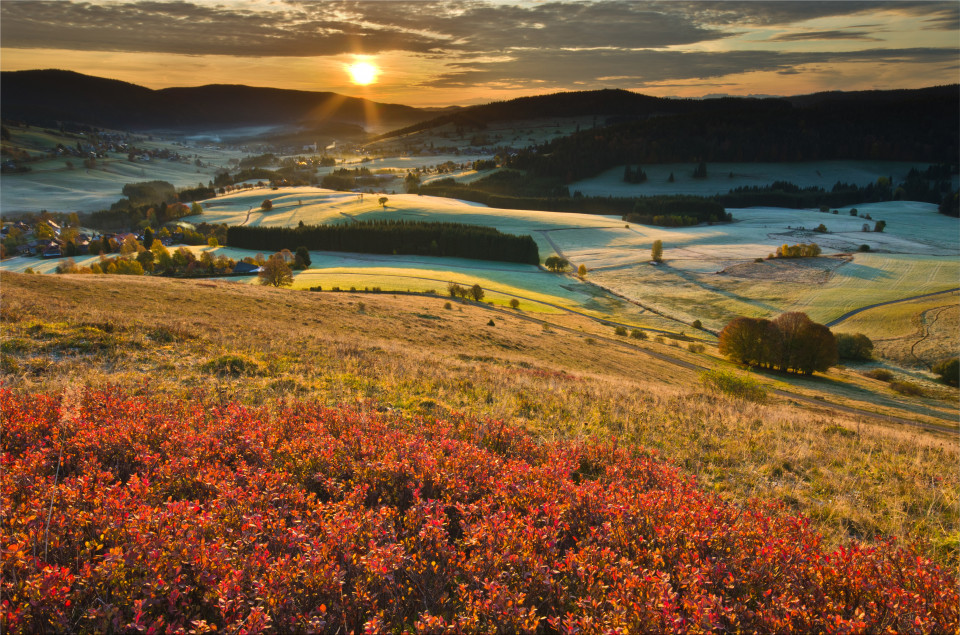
48,97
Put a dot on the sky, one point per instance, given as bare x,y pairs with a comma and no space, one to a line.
477,51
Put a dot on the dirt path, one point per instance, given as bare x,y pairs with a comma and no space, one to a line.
850,314
247,219
546,236
925,331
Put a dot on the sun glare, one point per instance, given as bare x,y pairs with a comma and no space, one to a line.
363,73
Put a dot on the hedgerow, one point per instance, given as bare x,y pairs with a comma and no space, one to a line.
126,512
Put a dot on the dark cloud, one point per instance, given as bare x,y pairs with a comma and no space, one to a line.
824,35
732,12
598,69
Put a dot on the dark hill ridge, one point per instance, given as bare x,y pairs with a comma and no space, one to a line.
619,106
606,103
45,97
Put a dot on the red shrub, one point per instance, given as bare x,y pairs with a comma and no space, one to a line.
171,515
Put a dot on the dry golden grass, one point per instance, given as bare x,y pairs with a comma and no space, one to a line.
853,478
918,333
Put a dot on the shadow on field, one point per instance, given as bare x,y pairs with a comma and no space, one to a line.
843,389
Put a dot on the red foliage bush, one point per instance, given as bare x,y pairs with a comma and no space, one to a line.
138,513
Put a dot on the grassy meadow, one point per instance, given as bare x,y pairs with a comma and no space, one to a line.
854,476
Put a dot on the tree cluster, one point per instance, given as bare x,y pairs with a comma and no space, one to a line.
676,211
802,250
634,176
790,343
392,237
474,293
556,264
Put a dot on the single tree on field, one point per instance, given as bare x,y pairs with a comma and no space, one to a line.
276,272
383,201
301,259
582,270
656,252
266,205
476,292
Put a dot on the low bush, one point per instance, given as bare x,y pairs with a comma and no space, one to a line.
637,334
907,388
948,371
733,385
231,365
695,347
857,347
620,330
170,515
879,373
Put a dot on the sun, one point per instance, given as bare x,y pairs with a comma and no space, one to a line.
363,73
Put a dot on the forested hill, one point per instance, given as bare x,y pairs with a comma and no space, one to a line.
50,97
599,103
908,125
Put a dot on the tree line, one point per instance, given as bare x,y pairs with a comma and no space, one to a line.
455,240
929,186
918,127
676,211
667,211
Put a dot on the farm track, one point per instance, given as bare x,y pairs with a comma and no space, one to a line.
559,307
850,314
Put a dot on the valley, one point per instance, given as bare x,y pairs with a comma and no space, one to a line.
380,432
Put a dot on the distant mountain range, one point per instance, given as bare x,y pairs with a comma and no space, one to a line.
49,97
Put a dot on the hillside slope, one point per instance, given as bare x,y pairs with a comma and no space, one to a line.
855,478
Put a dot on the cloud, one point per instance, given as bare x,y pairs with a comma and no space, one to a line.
558,69
750,13
330,28
556,44
824,35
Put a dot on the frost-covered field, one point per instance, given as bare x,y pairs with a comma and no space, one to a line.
52,186
709,272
